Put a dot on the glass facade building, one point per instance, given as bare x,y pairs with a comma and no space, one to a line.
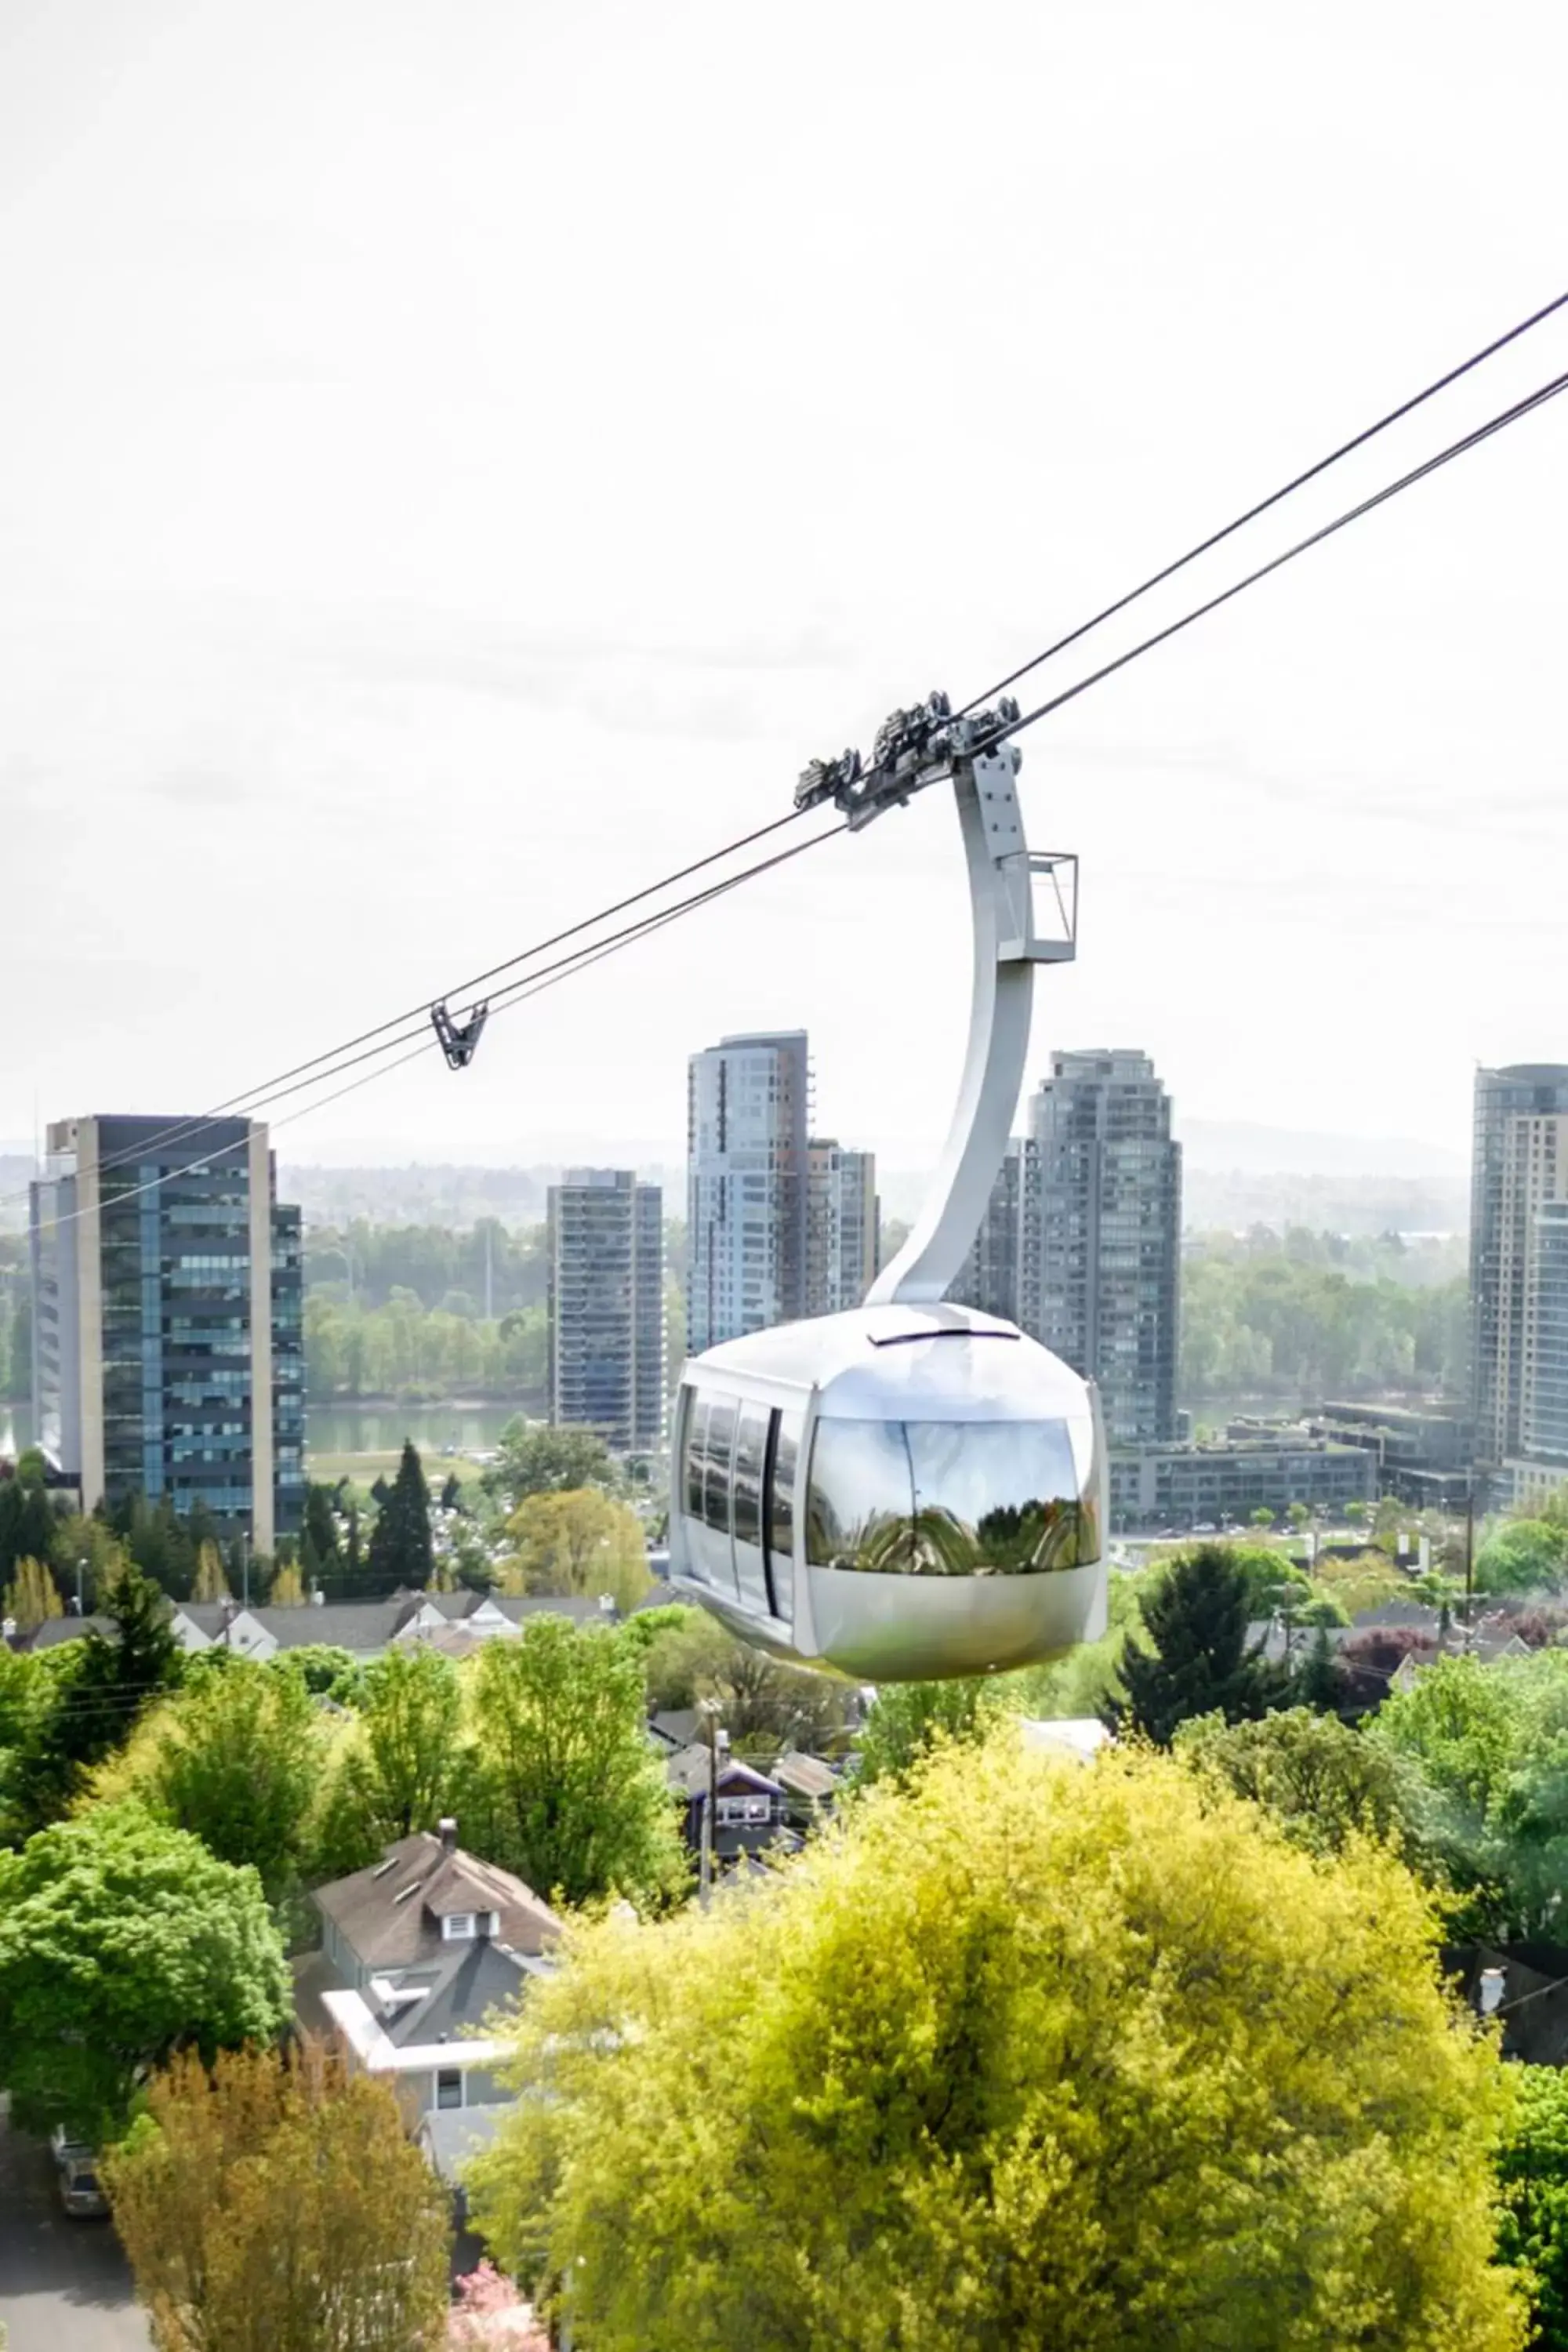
167,1312
1111,1230
748,1121
840,1225
1001,1275
605,1239
1518,1181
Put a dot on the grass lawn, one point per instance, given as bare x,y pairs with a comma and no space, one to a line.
365,1469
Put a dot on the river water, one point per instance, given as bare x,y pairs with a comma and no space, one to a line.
350,1429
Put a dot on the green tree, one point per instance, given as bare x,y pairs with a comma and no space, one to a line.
287,1590
577,1542
1492,1745
410,1715
561,1786
26,1524
1319,1683
400,1548
277,2204
908,1719
32,1596
1031,2055
123,1940
1524,1556
688,1656
211,1583
101,1687
237,1763
1322,1782
321,1530
535,1459
326,1671
1196,1620
1534,2173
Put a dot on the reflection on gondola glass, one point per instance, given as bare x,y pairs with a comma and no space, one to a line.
952,1499
696,1452
781,1515
751,1445
720,1438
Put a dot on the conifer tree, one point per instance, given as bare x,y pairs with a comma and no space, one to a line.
288,1590
1196,1617
400,1548
32,1596
320,1541
353,1558
211,1583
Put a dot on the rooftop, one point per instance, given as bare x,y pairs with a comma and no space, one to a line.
390,1913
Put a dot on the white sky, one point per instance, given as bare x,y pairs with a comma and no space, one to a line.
458,460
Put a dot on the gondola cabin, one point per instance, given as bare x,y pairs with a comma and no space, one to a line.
903,1492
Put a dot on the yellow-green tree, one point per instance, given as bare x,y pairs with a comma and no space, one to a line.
1061,2059
211,1583
32,1596
286,1591
280,2202
578,1542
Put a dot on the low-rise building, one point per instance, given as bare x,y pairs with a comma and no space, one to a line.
1423,1453
417,1951
1183,1486
364,1628
748,1805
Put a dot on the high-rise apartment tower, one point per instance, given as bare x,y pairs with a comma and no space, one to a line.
747,1119
1001,1275
1519,1265
1111,1230
840,1225
168,1355
605,1235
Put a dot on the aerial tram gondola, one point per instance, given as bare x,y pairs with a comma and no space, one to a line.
911,1490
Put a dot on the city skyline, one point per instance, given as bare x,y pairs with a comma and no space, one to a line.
235,650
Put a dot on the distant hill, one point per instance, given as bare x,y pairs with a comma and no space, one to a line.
1245,1148
455,1197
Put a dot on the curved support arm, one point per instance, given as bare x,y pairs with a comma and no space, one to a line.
1005,952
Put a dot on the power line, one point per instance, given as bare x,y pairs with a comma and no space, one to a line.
348,1054
532,984
275,1088
1296,482
1537,399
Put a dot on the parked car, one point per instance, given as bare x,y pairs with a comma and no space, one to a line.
65,2150
81,2191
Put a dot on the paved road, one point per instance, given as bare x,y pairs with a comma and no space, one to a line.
63,2285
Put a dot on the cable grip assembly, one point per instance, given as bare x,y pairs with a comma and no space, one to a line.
459,1039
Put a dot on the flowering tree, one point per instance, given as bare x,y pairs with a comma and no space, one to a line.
489,2311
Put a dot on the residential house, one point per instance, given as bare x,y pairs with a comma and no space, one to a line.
364,1628
749,1807
417,1951
809,1785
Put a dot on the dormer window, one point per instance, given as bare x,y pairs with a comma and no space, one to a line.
459,1926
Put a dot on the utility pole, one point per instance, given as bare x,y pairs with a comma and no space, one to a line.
718,1745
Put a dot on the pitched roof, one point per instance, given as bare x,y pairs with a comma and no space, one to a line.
675,1726
66,1629
467,1982
804,1776
686,1771
358,1625
390,1913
